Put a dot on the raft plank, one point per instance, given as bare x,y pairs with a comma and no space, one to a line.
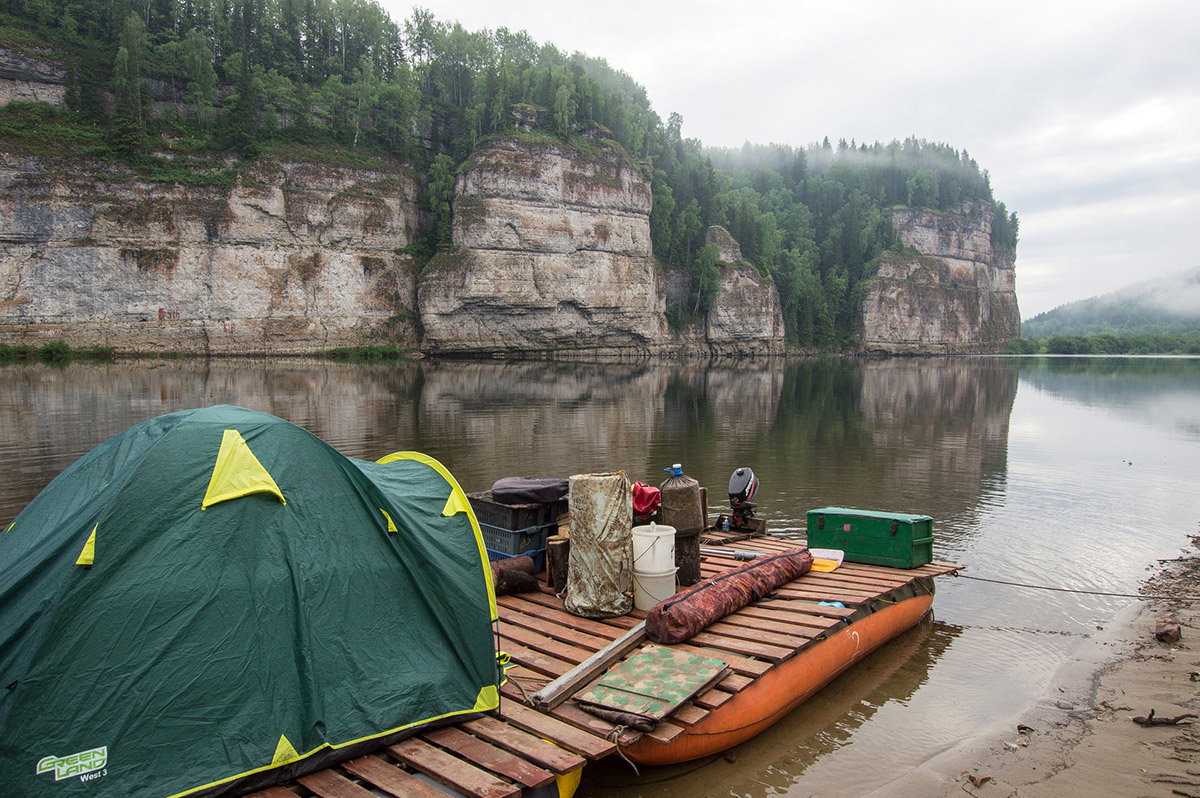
818,594
666,731
385,776
750,631
556,630
451,771
854,577
711,699
811,581
849,588
690,714
331,784
490,757
763,650
560,616
560,732
772,611
735,683
543,643
743,665
274,792
569,713
807,607
535,660
535,749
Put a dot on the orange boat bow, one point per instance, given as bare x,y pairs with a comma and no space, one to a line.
782,688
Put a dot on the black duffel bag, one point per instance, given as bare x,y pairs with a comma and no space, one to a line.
529,490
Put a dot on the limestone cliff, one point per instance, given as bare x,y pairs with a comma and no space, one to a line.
31,78
953,292
552,254
293,258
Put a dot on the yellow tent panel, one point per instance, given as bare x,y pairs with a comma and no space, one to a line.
237,473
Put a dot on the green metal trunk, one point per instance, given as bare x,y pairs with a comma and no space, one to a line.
898,540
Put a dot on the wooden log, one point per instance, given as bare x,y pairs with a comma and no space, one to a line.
687,558
391,779
535,749
273,792
451,771
558,552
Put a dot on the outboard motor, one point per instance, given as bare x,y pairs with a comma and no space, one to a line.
742,487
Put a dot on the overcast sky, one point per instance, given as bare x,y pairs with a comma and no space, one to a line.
1087,114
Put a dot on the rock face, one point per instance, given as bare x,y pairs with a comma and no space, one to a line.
746,317
552,253
726,244
28,78
294,258
954,294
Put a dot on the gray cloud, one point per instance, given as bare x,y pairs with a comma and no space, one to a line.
1087,114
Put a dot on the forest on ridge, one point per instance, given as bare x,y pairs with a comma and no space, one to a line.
342,79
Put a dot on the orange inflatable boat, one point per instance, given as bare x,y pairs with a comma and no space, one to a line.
781,689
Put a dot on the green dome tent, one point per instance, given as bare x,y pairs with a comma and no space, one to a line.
216,599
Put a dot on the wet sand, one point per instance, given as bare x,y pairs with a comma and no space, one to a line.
1080,738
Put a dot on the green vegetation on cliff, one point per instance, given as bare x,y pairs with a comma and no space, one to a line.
339,79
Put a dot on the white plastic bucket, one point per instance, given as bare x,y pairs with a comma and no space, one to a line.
649,589
653,548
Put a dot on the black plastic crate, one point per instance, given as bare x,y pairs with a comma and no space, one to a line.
514,516
515,541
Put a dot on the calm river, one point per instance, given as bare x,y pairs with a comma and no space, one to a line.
1063,471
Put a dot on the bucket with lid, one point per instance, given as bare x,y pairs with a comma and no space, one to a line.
653,548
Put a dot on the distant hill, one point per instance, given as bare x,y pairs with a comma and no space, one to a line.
1163,305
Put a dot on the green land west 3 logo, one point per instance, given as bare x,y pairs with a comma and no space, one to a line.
87,765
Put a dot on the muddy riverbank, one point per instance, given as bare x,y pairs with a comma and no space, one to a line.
1080,739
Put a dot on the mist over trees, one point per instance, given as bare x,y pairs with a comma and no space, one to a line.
341,76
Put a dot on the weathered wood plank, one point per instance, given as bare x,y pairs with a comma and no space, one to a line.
689,714
665,731
743,665
711,699
559,616
738,646
535,749
561,732
780,612
543,643
391,779
569,713
744,632
535,660
273,792
331,784
554,629
451,771
488,756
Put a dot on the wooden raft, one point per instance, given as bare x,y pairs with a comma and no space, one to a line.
500,757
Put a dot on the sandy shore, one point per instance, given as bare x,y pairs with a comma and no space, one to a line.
1080,739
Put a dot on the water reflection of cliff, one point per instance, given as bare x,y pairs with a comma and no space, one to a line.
770,763
906,434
